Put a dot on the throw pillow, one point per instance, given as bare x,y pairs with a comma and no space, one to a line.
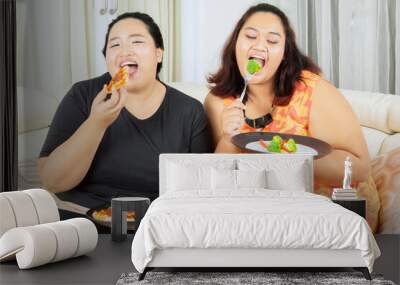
223,179
289,180
181,177
251,178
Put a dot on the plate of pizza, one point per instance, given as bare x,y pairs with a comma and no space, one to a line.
103,215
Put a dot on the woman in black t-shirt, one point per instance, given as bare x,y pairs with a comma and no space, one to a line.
101,146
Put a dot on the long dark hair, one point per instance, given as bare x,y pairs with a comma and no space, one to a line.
228,80
152,27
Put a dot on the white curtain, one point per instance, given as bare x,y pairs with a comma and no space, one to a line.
363,52
52,53
356,43
205,25
59,43
45,45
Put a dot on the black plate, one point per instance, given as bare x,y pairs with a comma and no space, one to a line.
305,145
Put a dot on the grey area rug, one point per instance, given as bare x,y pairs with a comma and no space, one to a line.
243,278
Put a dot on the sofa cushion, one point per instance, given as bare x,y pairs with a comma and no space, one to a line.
33,114
386,173
30,144
390,143
375,110
195,90
374,140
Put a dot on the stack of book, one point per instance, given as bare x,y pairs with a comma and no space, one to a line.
344,194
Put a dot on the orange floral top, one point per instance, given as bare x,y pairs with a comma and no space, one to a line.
293,118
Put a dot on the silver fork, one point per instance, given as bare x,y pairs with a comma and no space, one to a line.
247,78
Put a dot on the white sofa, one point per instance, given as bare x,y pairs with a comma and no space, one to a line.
379,116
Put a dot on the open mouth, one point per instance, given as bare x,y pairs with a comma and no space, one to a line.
132,67
259,59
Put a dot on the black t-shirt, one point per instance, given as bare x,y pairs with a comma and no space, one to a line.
126,161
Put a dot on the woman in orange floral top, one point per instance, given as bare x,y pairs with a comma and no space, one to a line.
290,88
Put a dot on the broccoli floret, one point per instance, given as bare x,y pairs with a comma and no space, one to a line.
253,66
274,147
277,139
291,145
